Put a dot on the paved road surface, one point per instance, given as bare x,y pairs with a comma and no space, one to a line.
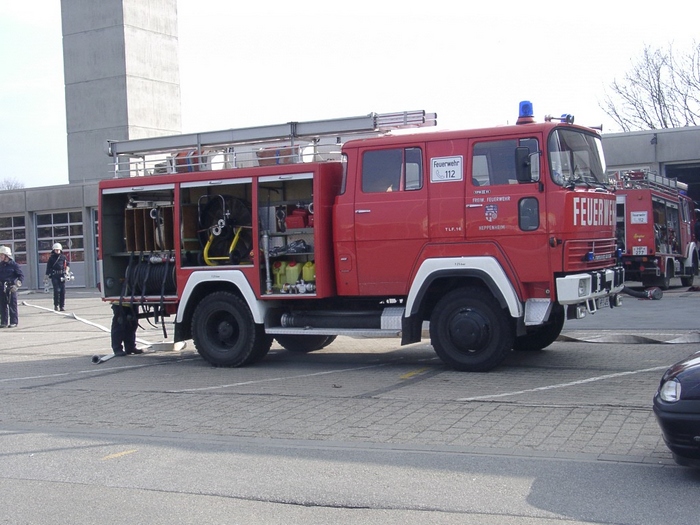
363,432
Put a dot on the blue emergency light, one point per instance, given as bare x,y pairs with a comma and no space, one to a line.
526,109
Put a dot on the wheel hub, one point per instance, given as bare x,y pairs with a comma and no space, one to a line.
224,331
469,331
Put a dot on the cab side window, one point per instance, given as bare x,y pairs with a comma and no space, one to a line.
399,169
494,162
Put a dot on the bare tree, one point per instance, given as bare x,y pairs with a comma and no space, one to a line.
11,184
661,90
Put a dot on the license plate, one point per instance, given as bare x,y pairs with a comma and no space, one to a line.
602,302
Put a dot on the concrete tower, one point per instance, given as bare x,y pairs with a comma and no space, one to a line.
122,77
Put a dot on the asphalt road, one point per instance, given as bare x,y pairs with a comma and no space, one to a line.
364,431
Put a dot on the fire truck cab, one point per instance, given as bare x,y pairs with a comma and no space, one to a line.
306,231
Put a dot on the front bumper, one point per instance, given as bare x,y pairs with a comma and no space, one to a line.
680,426
587,287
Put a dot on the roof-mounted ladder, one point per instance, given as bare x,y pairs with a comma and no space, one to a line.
636,179
305,131
257,146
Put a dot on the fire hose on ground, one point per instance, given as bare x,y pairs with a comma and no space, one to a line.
654,293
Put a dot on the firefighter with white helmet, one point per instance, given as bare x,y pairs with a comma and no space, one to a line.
11,278
57,270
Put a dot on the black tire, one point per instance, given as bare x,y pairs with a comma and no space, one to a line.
223,331
329,340
688,279
469,331
662,281
304,343
542,336
263,342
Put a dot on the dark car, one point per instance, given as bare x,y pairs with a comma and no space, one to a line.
677,409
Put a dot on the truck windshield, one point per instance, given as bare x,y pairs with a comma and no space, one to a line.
576,158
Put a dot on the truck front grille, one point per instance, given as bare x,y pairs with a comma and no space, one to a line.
589,255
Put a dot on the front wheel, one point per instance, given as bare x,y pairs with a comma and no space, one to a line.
224,332
470,331
542,336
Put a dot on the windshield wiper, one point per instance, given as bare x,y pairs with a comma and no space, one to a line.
579,179
571,183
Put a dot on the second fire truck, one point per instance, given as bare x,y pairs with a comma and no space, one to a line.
655,228
295,233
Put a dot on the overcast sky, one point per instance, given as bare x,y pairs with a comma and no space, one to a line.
253,63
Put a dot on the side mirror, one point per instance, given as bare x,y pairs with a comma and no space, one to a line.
527,165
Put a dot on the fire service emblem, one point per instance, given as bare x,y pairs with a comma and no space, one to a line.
491,212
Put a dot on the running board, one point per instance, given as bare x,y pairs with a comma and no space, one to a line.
390,326
350,332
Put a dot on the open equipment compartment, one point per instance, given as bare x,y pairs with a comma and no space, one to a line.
217,222
140,261
286,211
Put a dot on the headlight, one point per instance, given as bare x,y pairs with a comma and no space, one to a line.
584,286
670,391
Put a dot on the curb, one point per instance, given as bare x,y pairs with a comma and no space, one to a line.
650,338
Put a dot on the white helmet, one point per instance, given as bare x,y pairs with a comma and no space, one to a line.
57,246
6,251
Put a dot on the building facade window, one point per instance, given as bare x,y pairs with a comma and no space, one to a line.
13,234
65,228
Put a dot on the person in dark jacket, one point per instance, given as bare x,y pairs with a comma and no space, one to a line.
11,278
125,321
56,270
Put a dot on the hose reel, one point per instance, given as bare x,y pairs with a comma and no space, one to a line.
150,275
225,229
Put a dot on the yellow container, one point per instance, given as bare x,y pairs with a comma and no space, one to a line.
279,271
293,271
308,272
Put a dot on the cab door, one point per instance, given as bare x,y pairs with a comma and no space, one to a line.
391,217
506,215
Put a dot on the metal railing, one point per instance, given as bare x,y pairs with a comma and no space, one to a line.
291,143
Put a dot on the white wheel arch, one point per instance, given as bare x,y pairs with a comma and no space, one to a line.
487,265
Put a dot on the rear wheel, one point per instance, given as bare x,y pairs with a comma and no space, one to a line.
662,281
688,279
542,336
304,343
263,342
469,331
224,332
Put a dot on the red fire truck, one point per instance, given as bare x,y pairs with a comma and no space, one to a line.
655,222
308,230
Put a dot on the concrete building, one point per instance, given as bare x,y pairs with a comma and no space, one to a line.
673,153
121,74
122,81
